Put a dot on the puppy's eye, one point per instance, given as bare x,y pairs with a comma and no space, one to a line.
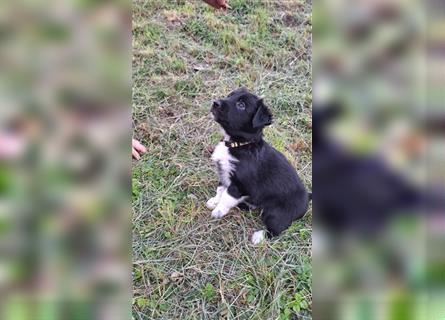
240,105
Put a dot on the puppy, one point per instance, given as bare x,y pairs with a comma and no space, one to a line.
250,170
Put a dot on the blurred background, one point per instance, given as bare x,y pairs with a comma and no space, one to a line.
64,160
378,160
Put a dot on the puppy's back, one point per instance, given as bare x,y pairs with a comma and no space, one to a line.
273,182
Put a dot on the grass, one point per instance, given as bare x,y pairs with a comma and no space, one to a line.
187,265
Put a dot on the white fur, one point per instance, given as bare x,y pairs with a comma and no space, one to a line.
213,202
258,236
222,156
223,201
226,203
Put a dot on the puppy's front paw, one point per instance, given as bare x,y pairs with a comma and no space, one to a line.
212,203
218,213
258,236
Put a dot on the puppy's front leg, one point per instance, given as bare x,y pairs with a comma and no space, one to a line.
212,202
230,198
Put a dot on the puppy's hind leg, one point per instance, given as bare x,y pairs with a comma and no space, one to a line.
213,202
230,198
275,223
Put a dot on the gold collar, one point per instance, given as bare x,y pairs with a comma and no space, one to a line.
235,144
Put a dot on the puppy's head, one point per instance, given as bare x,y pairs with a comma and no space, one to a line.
241,113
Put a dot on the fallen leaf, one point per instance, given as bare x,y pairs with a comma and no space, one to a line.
171,15
176,277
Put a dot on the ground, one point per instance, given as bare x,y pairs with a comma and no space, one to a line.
187,265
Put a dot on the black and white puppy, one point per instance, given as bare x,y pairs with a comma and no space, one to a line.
250,170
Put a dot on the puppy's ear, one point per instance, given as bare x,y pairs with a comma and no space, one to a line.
262,117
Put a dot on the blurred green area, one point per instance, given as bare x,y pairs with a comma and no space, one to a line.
65,134
383,61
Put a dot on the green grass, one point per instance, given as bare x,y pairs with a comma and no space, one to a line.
186,264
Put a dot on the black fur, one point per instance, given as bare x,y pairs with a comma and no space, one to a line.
262,173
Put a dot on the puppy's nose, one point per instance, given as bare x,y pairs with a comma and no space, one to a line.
216,104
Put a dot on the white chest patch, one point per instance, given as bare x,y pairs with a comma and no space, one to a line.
225,162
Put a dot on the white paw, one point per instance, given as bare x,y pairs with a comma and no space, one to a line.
258,236
218,213
212,203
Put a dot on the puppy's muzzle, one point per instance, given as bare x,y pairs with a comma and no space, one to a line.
216,104
216,107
